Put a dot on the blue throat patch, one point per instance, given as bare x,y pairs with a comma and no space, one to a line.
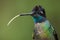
38,19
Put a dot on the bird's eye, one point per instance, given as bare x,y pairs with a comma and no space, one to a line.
41,12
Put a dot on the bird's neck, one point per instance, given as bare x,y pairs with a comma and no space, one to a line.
39,19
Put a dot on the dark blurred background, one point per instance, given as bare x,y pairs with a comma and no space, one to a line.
21,27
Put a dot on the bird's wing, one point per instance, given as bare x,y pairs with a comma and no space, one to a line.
51,30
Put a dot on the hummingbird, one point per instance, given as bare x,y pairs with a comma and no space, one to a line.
43,30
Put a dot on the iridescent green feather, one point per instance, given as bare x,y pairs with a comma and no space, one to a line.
45,30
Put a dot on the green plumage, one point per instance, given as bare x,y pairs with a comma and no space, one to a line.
44,31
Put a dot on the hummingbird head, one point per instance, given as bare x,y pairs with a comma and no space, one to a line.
38,14
38,11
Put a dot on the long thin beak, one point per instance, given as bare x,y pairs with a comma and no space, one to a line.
25,14
29,14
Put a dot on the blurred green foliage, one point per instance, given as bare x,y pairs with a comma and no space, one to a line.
21,28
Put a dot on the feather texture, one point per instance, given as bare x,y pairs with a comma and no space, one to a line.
44,30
